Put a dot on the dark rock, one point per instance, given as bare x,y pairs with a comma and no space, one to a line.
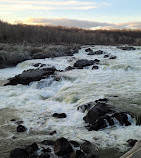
95,67
99,52
69,68
31,148
83,63
61,115
21,128
86,147
74,143
127,48
48,142
103,115
31,75
44,155
52,133
131,142
62,147
88,50
113,57
19,153
106,56
96,61
78,154
13,120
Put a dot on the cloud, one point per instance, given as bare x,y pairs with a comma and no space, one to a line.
66,22
82,23
49,5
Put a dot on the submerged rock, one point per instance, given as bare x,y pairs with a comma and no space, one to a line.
103,115
95,67
88,50
31,75
62,147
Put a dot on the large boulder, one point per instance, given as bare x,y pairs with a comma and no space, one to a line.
62,147
9,59
103,115
84,62
19,153
31,75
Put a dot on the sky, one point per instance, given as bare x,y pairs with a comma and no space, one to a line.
88,14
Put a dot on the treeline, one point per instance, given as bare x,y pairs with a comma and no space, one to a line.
21,33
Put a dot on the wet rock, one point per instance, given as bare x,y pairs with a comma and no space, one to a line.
84,107
13,120
103,115
19,153
69,68
21,128
131,142
127,48
83,63
59,115
44,155
62,147
78,154
99,52
31,75
48,142
88,50
74,143
31,148
106,56
95,67
86,147
113,57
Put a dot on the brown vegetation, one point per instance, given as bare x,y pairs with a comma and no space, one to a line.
20,33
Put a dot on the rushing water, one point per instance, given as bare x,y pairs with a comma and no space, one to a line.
35,104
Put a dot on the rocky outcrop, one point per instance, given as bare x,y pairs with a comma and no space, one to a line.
31,75
12,55
103,115
80,64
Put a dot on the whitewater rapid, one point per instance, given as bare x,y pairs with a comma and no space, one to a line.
36,103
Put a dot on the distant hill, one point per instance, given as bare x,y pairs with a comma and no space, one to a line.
21,33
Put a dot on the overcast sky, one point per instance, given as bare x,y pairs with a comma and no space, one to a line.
90,14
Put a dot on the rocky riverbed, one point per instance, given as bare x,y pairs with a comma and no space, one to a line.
84,95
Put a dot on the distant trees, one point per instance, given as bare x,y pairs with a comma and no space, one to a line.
21,33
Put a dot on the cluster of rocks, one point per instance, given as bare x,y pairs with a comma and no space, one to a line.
100,52
12,55
101,115
62,148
